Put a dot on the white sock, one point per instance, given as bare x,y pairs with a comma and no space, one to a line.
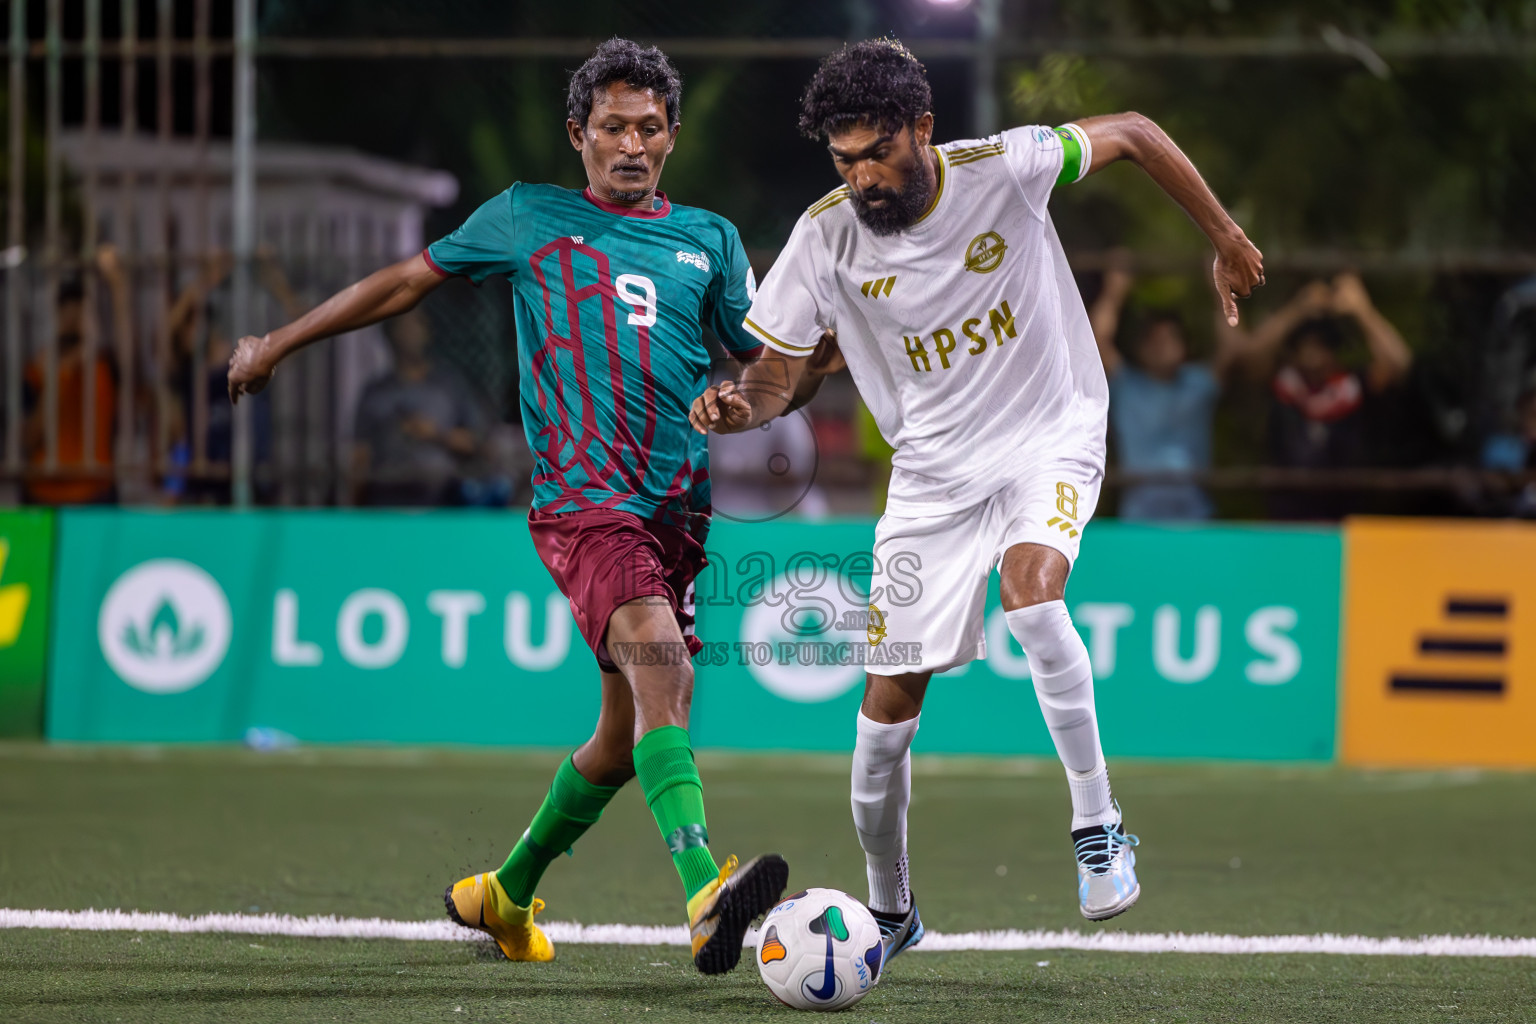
1058,663
882,788
1091,801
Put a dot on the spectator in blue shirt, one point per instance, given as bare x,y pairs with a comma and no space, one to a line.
1514,452
1161,405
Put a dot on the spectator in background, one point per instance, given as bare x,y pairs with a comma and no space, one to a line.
1161,404
78,488
211,291
417,425
1515,452
1316,419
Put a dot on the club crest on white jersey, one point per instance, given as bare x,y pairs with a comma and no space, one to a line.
982,360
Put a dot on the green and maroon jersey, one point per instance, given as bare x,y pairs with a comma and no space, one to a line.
610,305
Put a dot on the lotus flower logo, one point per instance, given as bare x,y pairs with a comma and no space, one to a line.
163,636
165,626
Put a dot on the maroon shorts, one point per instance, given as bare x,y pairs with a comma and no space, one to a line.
602,558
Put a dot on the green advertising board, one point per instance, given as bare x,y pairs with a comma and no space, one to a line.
26,568
1217,642
331,626
443,627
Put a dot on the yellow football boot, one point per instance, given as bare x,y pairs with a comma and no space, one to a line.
480,902
720,913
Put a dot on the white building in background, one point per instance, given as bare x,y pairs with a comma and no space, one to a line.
312,202
327,215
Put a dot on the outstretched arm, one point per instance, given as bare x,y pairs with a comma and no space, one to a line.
382,294
112,272
1105,316
1239,266
1390,355
214,270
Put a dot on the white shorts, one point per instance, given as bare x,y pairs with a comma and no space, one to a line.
929,582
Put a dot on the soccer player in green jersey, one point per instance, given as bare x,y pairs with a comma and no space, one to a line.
612,284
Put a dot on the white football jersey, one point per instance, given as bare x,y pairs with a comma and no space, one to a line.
965,333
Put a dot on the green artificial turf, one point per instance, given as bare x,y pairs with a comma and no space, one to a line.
358,833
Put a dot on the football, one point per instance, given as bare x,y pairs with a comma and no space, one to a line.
819,950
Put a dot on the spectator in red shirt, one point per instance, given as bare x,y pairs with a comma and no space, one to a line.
1316,415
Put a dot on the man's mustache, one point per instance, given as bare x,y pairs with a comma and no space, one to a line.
872,194
629,167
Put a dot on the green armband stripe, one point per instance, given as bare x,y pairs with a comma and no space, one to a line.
1074,160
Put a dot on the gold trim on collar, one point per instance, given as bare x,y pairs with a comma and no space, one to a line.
938,193
829,200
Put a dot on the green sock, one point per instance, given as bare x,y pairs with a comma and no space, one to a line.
667,774
572,806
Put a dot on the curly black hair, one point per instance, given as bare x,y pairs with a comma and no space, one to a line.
876,82
623,60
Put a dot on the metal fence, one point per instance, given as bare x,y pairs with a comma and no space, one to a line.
143,239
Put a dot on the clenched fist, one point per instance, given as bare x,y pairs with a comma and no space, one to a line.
721,408
250,369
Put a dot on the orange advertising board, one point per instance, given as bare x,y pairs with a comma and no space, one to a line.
1439,643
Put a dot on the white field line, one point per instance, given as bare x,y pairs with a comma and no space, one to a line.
654,935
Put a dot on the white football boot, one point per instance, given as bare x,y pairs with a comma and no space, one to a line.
1106,869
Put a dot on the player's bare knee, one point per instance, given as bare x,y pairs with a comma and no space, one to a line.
1032,574
892,699
1029,591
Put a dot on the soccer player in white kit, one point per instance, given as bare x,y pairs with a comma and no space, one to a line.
952,302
